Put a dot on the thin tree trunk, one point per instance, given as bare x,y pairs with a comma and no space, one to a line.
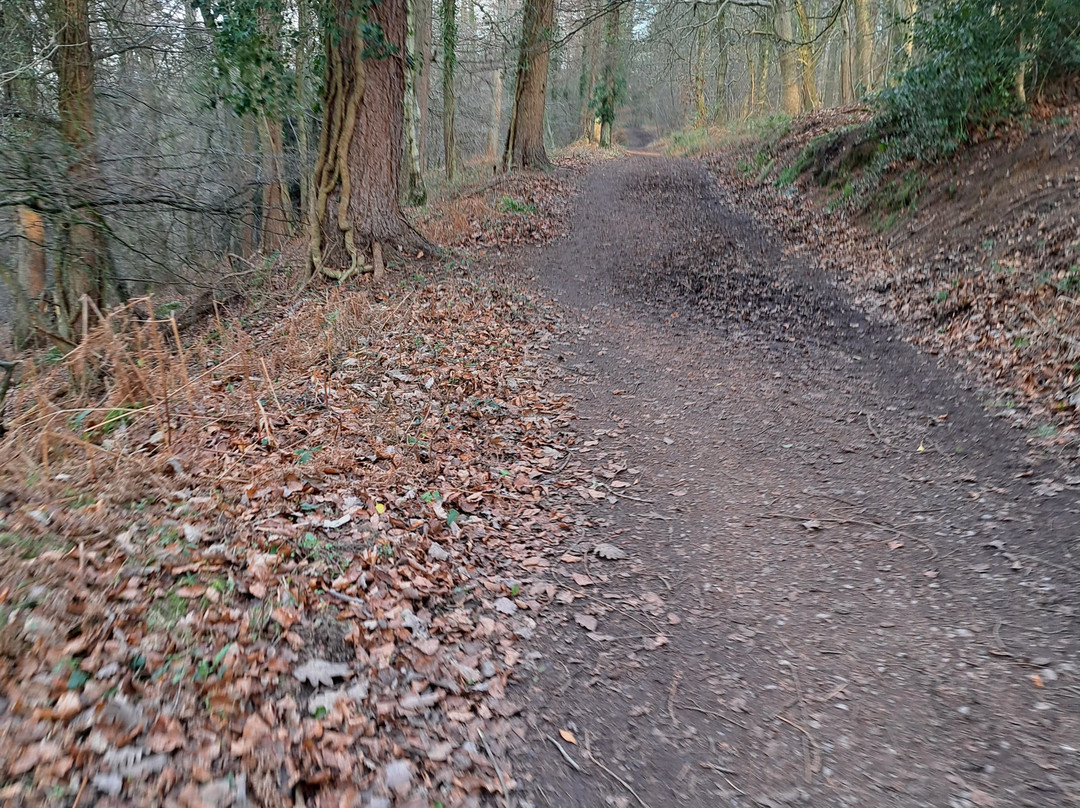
610,75
415,192
303,104
722,112
491,150
423,82
356,204
525,138
83,267
448,15
701,107
248,138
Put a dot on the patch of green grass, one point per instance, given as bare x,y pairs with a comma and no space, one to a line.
508,204
29,547
165,612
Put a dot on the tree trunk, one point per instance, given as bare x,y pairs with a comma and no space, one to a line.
28,285
525,139
249,146
721,113
448,15
790,96
277,216
701,107
491,150
423,82
355,187
590,68
810,98
83,265
303,105
610,77
415,192
864,48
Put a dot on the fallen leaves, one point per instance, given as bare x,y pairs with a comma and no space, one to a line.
301,595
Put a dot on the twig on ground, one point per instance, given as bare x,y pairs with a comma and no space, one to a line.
627,496
498,771
342,596
712,714
616,777
873,431
843,520
566,757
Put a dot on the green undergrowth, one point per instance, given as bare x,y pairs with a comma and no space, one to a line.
698,140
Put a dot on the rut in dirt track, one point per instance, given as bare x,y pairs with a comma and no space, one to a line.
814,610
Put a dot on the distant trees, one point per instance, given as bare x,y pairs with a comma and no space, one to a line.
142,145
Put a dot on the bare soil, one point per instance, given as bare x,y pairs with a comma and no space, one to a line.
845,582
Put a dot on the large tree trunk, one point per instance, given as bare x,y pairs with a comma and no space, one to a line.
28,285
277,215
355,207
525,139
448,17
810,98
790,95
864,48
415,192
83,265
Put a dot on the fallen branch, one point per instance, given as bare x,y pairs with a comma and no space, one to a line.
566,757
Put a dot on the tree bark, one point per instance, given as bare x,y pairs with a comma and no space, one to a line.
277,215
701,107
525,139
721,113
864,48
415,192
809,92
448,15
355,188
28,290
610,75
423,81
83,266
790,94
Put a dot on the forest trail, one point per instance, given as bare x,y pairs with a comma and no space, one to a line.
846,583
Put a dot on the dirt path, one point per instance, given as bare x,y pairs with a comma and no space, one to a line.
846,585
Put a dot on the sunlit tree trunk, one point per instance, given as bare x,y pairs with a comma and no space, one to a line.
27,287
808,64
864,48
83,266
448,17
356,209
790,95
525,139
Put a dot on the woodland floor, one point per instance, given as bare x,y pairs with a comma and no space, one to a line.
846,583
652,492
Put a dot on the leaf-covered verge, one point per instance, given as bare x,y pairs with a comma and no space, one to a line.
977,257
288,563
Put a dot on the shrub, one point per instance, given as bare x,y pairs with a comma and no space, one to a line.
964,75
